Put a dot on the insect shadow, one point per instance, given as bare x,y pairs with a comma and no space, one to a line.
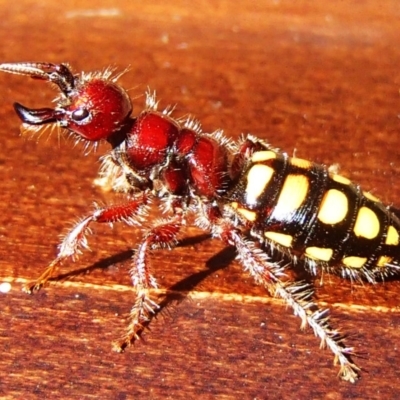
178,291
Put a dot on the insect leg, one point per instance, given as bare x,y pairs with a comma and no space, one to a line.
75,240
162,234
298,295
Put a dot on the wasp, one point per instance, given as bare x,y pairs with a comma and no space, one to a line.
246,193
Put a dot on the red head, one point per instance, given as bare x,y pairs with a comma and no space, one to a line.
92,106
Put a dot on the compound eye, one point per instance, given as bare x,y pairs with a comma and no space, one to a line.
80,115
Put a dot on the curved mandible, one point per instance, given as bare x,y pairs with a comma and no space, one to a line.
60,74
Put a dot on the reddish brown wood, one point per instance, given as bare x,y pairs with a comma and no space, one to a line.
321,78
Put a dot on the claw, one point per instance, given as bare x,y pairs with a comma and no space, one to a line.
35,117
57,73
35,70
32,287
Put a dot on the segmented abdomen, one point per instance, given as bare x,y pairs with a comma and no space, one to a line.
314,213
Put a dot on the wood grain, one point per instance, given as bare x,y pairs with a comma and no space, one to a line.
319,79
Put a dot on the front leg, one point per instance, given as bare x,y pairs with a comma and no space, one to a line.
75,240
162,234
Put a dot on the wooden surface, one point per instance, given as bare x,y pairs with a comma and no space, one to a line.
318,79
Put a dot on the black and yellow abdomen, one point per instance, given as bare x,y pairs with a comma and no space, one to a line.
310,212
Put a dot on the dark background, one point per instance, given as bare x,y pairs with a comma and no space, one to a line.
314,78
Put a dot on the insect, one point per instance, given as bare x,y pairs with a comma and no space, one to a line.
247,194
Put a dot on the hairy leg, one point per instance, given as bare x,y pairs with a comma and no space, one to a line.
298,295
76,239
162,234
